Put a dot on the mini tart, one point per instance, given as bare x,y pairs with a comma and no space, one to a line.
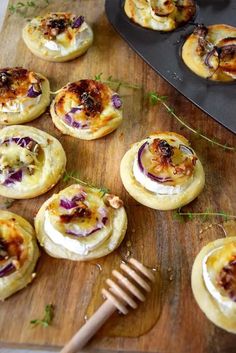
81,223
86,109
214,282
160,15
162,171
31,162
58,36
24,95
18,253
210,52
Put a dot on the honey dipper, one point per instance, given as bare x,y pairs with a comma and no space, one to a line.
118,296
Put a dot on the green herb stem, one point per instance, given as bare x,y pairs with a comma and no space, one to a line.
154,98
47,319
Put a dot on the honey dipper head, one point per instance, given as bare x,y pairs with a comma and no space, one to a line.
123,292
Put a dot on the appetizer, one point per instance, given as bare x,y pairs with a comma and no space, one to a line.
214,282
160,15
31,162
18,253
24,95
162,171
81,223
58,36
210,52
86,109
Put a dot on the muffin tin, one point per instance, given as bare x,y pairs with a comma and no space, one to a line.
162,51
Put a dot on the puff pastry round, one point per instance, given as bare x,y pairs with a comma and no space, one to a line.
210,52
162,171
214,282
58,36
31,162
86,109
160,15
18,253
80,223
24,95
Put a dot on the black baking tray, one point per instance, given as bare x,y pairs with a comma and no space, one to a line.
162,52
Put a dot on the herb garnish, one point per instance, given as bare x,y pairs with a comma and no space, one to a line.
21,8
48,317
205,215
154,98
7,203
74,176
110,81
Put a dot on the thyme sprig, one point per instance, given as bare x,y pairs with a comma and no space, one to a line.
7,203
74,176
48,317
115,83
21,8
154,98
205,215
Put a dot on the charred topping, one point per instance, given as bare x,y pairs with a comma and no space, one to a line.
90,95
13,81
227,279
163,153
3,249
201,30
11,252
162,149
55,25
81,211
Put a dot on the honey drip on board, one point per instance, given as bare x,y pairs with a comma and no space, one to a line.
137,322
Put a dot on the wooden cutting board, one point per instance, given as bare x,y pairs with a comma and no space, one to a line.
170,320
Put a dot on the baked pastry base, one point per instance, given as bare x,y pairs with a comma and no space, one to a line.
158,201
204,299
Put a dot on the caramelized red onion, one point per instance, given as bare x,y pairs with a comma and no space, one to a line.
116,101
69,204
13,178
6,269
69,119
78,22
84,233
144,171
33,93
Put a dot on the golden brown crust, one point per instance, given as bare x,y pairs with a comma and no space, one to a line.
80,247
24,95
160,15
154,199
204,299
86,109
58,36
31,163
18,253
210,52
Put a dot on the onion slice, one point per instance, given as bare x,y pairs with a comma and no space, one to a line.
33,93
13,178
78,22
99,225
6,269
144,171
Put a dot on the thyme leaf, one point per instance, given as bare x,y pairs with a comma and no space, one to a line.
182,216
74,176
21,8
154,98
48,317
115,83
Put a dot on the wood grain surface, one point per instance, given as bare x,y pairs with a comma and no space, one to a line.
170,320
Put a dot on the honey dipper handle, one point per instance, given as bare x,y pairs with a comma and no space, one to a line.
87,331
